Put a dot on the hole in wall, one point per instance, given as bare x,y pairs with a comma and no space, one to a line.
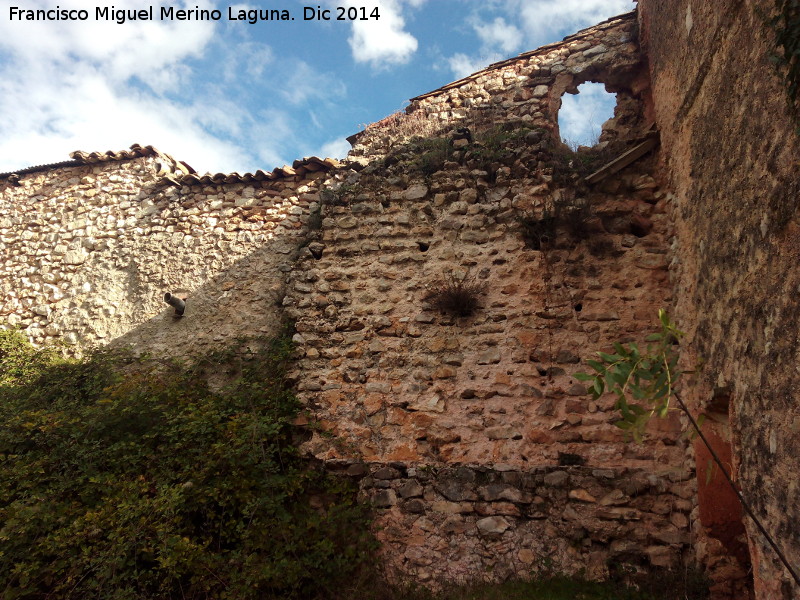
423,246
583,112
578,307
720,511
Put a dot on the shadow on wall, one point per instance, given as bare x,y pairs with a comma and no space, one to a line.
242,300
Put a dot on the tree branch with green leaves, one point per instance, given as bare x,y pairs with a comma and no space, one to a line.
643,381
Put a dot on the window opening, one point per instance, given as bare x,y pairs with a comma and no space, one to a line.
581,117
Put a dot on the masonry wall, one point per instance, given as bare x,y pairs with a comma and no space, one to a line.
90,250
526,89
479,449
731,153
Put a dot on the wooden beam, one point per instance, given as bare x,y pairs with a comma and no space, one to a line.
624,160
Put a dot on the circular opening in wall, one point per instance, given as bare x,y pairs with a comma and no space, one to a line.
583,113
578,307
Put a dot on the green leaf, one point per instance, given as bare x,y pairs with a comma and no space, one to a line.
596,366
583,377
609,358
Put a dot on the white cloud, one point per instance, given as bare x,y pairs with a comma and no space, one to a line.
462,65
384,41
581,116
305,83
499,34
337,148
498,39
92,85
541,18
529,24
51,114
151,51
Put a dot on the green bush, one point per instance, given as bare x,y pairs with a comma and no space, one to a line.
127,478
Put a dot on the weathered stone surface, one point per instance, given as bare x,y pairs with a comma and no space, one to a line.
492,526
404,387
581,495
416,192
384,498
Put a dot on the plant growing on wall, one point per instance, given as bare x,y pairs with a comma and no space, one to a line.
456,295
648,377
644,382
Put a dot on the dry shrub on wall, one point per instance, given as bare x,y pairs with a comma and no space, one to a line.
402,125
456,295
538,230
125,478
565,211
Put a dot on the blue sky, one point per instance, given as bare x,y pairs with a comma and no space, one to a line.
233,96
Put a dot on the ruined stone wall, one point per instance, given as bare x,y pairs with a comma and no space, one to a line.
470,434
479,449
392,381
526,89
89,251
731,154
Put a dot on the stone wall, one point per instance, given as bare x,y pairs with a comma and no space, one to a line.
479,449
89,251
395,383
731,155
472,522
526,89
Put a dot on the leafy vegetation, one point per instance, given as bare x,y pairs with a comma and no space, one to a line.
132,478
566,211
569,167
341,194
648,377
433,153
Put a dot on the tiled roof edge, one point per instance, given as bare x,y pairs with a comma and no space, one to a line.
299,168
181,173
80,158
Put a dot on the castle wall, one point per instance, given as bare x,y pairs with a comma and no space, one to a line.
731,154
526,89
470,434
90,250
479,449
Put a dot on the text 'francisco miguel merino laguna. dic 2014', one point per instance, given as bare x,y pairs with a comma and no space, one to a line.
169,13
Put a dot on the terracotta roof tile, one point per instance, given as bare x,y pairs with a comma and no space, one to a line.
180,173
299,168
136,151
80,158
